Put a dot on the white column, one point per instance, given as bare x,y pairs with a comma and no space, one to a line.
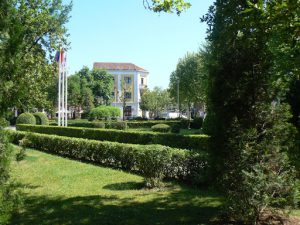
137,93
119,87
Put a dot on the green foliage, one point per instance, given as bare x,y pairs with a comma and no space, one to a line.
30,32
196,142
22,153
167,5
98,124
175,128
41,118
102,86
3,123
26,118
190,78
89,88
130,124
120,125
164,128
149,124
209,124
153,161
247,85
104,112
155,101
197,123
7,198
262,170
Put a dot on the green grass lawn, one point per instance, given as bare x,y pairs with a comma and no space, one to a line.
61,191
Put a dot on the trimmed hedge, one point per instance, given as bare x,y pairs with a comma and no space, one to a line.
104,112
183,124
26,118
98,124
163,128
149,124
41,118
3,123
154,162
197,142
121,125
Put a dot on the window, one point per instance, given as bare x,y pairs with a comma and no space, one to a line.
128,111
142,81
127,80
128,95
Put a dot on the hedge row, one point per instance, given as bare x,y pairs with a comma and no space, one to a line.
154,162
130,124
196,142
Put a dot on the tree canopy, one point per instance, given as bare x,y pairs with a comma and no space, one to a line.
191,79
89,88
155,101
167,5
30,32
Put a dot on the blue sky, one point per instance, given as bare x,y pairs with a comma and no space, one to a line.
124,31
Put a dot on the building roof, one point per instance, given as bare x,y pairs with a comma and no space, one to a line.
117,66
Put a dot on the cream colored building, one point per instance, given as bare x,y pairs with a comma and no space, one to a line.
131,78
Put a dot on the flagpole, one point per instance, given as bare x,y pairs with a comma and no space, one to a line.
59,90
63,93
66,93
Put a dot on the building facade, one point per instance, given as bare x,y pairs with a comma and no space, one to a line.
130,81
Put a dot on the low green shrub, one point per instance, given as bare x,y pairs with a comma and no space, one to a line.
7,192
197,123
120,125
3,123
150,123
104,112
98,124
154,162
26,118
41,118
184,124
164,128
175,129
196,142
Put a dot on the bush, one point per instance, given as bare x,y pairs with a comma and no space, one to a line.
209,124
7,198
41,118
164,128
98,124
154,162
104,112
139,118
26,118
175,129
149,124
184,124
121,125
197,123
196,142
3,123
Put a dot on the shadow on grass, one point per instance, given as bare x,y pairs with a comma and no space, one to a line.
181,207
125,186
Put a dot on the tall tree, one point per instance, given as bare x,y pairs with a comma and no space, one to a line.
190,80
155,101
102,87
248,119
30,32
